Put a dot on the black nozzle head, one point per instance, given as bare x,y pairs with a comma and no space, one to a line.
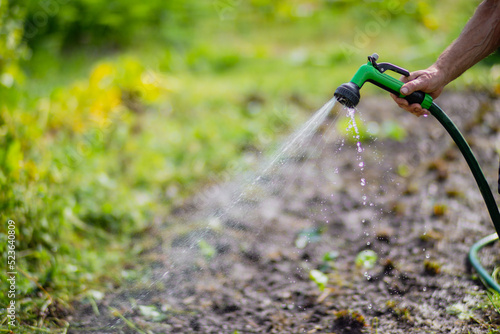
348,94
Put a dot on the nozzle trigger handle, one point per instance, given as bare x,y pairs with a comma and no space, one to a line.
415,97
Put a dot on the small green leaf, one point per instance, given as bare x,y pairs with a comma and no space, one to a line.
330,256
319,278
366,259
206,249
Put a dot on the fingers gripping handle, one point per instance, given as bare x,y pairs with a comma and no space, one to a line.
425,100
415,97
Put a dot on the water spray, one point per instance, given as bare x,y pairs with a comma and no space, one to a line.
348,95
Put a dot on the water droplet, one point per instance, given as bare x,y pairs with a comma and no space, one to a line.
363,182
361,164
370,306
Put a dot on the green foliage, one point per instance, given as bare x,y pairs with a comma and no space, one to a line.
11,47
494,297
114,23
88,166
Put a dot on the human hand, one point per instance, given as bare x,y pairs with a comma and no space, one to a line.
429,81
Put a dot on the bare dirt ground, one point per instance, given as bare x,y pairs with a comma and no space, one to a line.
251,272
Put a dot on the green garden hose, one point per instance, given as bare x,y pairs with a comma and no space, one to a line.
489,200
474,261
348,94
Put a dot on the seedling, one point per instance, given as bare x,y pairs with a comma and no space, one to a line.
330,256
319,278
328,260
206,249
307,236
366,259
150,312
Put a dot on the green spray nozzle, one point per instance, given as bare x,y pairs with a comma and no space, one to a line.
348,93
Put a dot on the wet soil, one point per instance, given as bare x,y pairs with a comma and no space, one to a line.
420,211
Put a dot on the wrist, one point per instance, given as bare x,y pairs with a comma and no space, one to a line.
439,72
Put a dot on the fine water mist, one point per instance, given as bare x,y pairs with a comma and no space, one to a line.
231,209
234,204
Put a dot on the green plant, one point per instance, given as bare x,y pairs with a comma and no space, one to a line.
400,312
207,250
308,235
328,261
319,278
461,310
12,49
366,259
494,298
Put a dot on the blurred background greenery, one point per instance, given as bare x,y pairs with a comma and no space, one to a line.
114,111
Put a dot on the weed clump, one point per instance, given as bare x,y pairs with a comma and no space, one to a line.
347,321
401,313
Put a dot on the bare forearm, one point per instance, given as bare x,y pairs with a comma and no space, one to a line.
480,37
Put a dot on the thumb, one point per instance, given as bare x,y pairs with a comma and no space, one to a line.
412,86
